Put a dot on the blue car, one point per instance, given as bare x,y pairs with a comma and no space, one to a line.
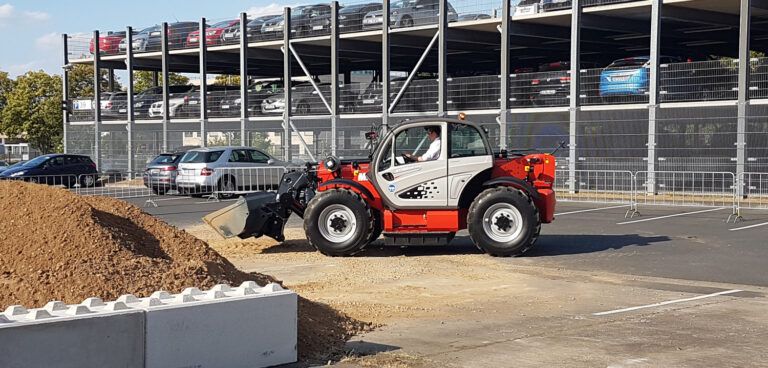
55,169
628,77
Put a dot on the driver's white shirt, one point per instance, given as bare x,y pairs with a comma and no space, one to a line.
433,153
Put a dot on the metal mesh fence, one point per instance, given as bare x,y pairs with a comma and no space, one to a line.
697,139
699,81
473,93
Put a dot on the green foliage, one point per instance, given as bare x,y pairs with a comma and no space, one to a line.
6,85
81,81
33,110
261,141
227,80
142,80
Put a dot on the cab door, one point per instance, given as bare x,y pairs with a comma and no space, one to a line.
418,185
469,155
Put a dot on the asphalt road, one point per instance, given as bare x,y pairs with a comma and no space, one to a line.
670,242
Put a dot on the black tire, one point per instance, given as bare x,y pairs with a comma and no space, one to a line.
377,226
159,191
303,108
327,204
507,201
87,181
224,185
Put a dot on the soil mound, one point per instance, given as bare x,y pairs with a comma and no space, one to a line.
56,245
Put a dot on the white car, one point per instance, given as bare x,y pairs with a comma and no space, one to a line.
229,170
175,105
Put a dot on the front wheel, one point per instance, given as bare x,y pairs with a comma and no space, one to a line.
503,222
87,181
338,222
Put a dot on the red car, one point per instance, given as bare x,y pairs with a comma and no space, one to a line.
212,33
110,43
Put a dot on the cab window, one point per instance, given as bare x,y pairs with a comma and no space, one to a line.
466,141
412,141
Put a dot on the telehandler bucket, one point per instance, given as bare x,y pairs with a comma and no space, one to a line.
255,214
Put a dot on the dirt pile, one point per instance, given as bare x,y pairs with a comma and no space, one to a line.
55,245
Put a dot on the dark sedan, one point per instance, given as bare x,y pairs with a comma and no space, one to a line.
55,169
160,173
350,18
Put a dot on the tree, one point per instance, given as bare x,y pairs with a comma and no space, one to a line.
81,81
261,141
6,86
33,110
142,80
226,80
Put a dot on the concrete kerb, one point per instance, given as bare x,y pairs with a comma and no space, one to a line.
244,326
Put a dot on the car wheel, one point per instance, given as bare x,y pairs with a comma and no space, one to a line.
377,226
227,184
338,222
406,22
87,181
159,191
503,222
303,108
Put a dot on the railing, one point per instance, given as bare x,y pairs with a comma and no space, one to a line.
699,81
754,190
240,180
595,186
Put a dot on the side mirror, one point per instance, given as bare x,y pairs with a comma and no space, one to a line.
270,162
371,136
419,7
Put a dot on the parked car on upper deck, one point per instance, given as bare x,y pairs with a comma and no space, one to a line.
232,34
149,39
305,100
144,99
350,17
111,102
552,5
301,18
213,34
109,44
628,77
409,13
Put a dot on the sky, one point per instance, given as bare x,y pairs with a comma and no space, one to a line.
30,30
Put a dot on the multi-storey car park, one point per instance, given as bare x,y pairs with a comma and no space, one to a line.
645,85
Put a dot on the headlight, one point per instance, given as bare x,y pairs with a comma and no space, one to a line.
282,22
342,17
18,173
238,101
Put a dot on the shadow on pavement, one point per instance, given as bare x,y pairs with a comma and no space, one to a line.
555,245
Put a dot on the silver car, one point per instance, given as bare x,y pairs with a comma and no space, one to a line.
227,171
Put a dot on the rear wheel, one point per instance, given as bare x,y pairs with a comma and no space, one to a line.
228,186
503,222
87,181
338,222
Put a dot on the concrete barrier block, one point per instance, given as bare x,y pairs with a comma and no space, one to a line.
226,327
71,336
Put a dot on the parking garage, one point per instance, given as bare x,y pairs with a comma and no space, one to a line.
627,85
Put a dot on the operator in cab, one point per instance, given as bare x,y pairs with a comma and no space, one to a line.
433,153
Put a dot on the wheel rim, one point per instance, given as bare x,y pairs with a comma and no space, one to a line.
337,223
88,181
503,222
229,186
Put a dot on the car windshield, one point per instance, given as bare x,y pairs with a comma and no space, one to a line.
223,24
299,10
165,159
629,62
198,157
403,4
150,30
36,161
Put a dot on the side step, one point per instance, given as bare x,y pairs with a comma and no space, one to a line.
417,239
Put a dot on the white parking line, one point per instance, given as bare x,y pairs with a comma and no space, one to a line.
749,227
667,303
668,216
219,201
590,210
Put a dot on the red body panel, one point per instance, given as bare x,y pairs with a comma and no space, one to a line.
538,170
107,44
